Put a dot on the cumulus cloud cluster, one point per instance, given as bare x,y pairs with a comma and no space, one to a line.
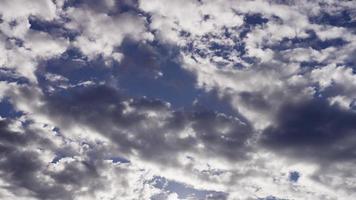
178,99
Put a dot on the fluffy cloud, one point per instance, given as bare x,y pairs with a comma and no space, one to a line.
193,99
101,33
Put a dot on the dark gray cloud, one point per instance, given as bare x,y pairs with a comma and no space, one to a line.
29,175
155,138
20,166
314,130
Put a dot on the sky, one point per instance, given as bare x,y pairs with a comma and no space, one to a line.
177,99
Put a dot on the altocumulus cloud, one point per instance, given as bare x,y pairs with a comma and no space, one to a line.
177,99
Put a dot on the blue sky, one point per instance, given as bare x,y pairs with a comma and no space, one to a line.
177,100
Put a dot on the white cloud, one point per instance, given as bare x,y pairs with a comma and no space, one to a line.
45,9
101,33
72,133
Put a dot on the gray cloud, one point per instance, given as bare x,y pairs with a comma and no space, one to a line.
229,97
103,109
314,130
20,166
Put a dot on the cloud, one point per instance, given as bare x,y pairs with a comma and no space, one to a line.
100,33
29,172
192,99
327,135
139,125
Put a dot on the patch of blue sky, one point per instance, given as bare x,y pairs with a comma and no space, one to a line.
250,21
7,110
55,28
139,74
76,69
342,18
255,19
9,75
118,159
294,176
312,41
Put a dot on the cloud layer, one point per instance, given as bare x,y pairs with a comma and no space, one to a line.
179,99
